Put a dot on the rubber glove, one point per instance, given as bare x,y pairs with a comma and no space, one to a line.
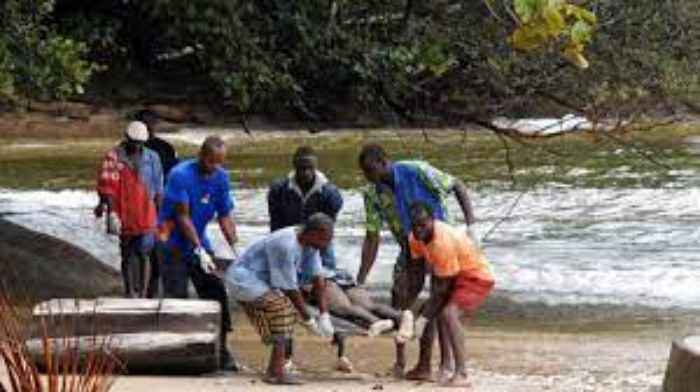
325,325
406,327
312,326
205,260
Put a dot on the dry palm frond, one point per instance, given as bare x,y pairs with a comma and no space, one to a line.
69,366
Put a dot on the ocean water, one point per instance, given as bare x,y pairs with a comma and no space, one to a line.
557,245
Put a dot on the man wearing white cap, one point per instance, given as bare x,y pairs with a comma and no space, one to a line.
130,187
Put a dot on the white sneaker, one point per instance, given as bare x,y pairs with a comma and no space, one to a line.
405,332
291,368
379,327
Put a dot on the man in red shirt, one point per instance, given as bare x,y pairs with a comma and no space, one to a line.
130,187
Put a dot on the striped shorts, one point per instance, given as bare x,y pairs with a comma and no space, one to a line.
273,315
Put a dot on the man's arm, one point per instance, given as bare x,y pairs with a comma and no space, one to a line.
228,227
334,202
320,290
105,201
298,302
158,200
460,191
440,290
273,207
182,214
369,255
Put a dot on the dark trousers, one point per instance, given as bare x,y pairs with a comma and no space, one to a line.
177,271
139,249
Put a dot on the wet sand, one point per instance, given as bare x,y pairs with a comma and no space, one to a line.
499,360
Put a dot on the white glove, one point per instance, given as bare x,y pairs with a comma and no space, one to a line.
114,225
473,237
419,326
406,327
325,325
312,326
205,260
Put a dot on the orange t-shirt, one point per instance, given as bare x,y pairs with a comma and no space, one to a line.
451,252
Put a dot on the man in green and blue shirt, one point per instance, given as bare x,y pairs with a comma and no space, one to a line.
393,187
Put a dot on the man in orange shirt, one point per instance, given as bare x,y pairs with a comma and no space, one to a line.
461,281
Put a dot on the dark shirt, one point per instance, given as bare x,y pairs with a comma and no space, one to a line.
165,151
288,207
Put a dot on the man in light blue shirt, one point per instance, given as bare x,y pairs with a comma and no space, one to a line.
264,281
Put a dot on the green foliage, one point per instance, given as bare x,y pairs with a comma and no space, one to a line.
35,61
443,62
545,21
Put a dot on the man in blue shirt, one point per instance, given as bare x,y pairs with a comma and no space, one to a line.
197,191
265,282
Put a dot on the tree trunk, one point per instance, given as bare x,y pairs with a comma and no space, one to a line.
146,335
683,371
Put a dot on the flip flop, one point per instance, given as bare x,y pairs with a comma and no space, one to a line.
285,379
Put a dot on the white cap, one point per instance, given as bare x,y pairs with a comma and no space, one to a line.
136,131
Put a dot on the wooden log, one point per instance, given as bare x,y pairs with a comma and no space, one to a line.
140,353
146,335
683,370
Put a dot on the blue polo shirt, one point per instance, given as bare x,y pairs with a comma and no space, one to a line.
207,197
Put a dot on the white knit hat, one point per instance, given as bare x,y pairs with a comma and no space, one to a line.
136,131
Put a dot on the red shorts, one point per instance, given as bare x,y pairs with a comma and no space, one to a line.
470,291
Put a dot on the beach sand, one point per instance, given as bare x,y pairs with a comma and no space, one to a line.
499,360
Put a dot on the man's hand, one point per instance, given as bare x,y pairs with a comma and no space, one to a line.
99,210
114,225
312,326
205,260
473,237
325,325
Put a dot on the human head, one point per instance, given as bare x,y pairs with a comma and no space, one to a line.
135,135
212,154
374,163
149,118
317,231
422,221
305,162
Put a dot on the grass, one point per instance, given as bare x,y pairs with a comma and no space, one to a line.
479,158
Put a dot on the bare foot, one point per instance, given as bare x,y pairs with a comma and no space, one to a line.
419,374
445,375
459,380
344,365
397,371
380,327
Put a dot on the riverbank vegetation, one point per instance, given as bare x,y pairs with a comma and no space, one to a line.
321,63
